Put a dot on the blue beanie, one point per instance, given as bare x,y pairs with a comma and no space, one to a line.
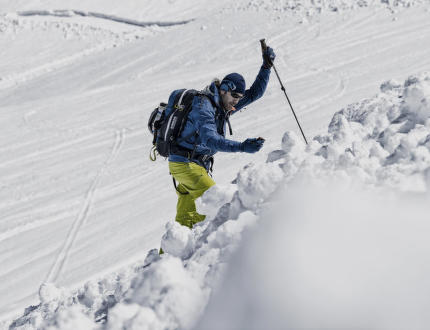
234,82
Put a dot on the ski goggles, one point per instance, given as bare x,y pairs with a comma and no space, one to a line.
236,95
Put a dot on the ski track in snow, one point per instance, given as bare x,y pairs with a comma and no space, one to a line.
7,233
71,13
47,151
12,80
15,79
26,227
338,91
82,217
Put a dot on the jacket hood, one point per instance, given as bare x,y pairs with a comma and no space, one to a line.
212,92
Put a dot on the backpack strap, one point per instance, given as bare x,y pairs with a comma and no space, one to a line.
179,104
227,118
185,138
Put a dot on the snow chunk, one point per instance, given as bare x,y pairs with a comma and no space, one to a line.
292,144
167,289
214,198
178,240
231,230
48,292
71,318
417,99
132,316
390,85
257,182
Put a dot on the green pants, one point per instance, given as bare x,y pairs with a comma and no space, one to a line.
193,181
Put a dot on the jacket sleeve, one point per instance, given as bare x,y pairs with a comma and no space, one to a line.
208,133
257,89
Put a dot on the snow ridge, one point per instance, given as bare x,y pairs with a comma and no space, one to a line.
378,143
71,13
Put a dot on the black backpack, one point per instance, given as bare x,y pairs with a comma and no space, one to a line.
167,122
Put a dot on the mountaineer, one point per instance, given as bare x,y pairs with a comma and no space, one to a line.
203,134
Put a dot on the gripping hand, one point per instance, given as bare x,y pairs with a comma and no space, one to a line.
268,57
252,145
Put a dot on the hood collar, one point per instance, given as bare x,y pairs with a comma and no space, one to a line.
211,91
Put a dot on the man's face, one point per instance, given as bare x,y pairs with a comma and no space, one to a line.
230,99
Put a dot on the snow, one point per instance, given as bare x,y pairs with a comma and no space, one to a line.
306,260
177,241
330,234
329,259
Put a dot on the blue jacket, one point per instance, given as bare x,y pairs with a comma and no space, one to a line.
206,124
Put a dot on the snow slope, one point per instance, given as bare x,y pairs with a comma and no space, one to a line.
79,198
335,237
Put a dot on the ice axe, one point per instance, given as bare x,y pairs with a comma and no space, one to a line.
263,49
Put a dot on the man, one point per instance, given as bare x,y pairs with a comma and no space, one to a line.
204,135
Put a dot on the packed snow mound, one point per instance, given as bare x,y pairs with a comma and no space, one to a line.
383,141
378,144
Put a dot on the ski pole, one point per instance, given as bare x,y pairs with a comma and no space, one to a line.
263,49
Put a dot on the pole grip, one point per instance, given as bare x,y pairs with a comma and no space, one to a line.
263,45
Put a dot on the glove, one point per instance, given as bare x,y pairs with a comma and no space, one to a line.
251,145
268,58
